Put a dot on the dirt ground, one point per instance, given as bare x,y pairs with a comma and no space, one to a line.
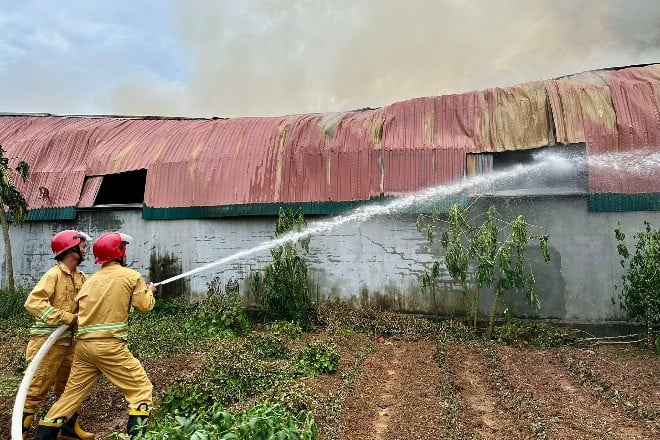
425,390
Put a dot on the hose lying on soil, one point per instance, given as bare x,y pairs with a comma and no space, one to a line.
17,416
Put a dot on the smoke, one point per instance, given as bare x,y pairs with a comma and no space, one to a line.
275,57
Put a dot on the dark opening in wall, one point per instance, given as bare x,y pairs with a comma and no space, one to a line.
122,188
566,172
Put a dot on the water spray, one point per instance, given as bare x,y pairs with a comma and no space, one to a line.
645,163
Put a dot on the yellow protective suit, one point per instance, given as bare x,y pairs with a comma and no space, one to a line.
104,303
52,302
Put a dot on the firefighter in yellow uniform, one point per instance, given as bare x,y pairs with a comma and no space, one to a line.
104,303
52,303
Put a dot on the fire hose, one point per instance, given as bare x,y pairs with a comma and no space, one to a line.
17,416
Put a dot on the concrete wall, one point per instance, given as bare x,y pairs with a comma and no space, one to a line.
377,262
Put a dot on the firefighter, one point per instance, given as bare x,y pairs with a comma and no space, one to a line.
101,349
52,303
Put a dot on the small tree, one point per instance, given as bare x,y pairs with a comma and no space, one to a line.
11,200
501,266
284,284
640,295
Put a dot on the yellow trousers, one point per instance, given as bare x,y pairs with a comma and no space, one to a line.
109,357
53,371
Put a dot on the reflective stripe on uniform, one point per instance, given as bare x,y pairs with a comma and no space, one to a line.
43,329
111,326
46,312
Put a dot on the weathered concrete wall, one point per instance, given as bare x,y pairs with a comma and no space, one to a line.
378,261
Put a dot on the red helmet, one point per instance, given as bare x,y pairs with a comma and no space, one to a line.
110,247
65,240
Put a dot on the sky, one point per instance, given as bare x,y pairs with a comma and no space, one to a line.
216,58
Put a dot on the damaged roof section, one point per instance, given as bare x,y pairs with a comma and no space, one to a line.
218,167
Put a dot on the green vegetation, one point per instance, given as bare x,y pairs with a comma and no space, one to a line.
286,329
317,358
284,286
640,295
524,334
493,253
11,302
12,199
263,421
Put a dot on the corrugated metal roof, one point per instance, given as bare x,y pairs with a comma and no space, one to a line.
636,101
335,157
518,118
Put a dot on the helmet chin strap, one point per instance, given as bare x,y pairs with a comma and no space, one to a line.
76,250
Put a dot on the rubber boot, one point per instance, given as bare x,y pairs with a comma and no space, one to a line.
48,430
28,417
71,430
137,421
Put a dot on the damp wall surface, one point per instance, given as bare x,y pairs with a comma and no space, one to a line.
378,262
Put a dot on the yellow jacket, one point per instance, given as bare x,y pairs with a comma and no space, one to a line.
52,301
105,300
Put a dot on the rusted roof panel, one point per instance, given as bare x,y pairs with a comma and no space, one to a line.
518,118
89,191
450,121
636,100
582,111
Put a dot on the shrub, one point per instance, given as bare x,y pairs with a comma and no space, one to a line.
283,287
316,358
640,296
267,346
294,396
11,302
286,329
233,373
222,309
495,254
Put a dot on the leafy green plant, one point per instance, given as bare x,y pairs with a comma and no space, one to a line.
500,265
267,346
264,420
286,329
316,358
184,399
283,287
293,395
222,309
640,295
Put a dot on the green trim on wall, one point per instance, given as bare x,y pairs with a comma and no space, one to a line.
624,202
309,208
47,214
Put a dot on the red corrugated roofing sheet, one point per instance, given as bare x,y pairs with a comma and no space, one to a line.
636,100
347,156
